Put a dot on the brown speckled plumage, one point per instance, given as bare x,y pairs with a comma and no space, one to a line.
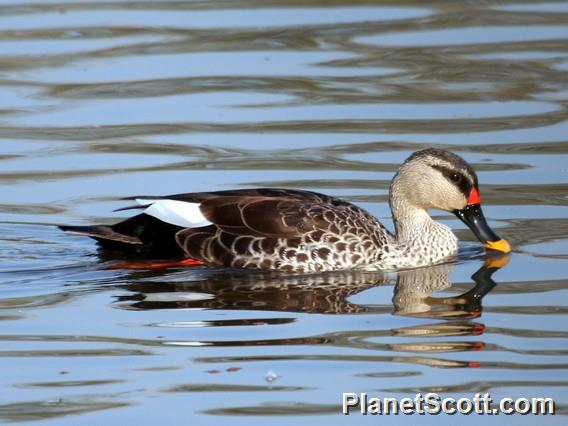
285,229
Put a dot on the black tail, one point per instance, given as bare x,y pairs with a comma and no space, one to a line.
142,235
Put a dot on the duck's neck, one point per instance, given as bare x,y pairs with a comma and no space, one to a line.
419,239
409,220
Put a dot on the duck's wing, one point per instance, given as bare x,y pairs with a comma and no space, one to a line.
252,224
153,232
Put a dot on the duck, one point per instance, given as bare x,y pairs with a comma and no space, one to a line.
303,231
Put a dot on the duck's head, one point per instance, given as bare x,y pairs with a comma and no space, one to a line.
438,179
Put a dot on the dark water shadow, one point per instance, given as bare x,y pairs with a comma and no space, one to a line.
45,410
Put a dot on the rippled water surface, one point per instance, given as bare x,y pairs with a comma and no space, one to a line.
103,100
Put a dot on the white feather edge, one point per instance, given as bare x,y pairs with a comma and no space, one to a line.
179,213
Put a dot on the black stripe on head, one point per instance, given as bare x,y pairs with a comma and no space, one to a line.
456,170
456,177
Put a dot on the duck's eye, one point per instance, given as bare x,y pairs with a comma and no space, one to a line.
456,177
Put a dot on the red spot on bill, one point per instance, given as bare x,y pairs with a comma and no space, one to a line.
474,197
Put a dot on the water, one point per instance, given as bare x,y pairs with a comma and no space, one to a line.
103,100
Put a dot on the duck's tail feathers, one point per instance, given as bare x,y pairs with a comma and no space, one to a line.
101,233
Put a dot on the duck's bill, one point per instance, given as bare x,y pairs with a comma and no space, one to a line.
472,216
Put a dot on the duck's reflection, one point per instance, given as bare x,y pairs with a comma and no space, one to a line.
246,290
330,294
414,290
327,293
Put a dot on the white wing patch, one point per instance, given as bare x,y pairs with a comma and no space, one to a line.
179,213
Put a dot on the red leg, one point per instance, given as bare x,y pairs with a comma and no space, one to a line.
155,265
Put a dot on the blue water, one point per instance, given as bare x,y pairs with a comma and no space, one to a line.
100,101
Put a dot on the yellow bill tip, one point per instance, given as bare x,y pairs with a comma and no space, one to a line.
500,245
